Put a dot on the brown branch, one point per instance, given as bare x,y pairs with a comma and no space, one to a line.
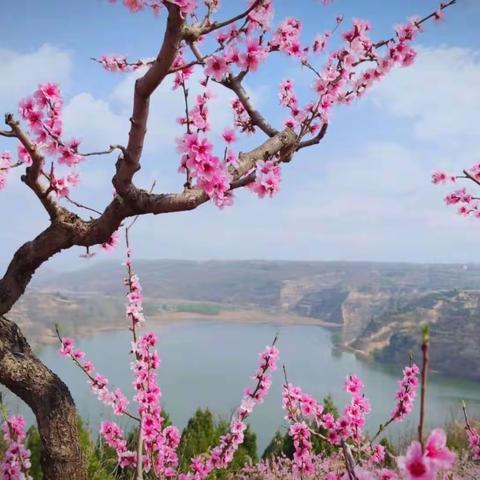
129,161
110,149
470,177
33,172
80,205
425,364
315,140
7,133
141,202
25,262
235,84
217,25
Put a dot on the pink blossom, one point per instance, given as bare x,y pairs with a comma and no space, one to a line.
112,242
229,135
23,155
353,384
134,5
216,67
267,179
255,54
442,177
67,347
414,465
436,450
406,393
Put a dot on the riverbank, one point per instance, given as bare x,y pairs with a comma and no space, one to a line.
165,317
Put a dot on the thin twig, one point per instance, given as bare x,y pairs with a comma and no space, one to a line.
80,205
425,363
7,133
92,379
110,149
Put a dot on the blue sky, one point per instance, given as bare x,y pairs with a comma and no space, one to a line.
363,194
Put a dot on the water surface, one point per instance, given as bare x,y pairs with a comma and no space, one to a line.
208,364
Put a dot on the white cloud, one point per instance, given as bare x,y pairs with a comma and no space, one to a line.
22,72
167,105
438,94
93,121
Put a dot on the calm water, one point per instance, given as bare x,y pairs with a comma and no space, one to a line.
207,364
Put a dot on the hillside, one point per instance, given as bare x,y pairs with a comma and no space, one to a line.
377,307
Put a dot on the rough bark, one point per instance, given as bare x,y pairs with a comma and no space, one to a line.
50,400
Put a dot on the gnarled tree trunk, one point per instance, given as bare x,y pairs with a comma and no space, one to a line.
49,398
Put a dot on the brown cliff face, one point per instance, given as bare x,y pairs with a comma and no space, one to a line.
379,307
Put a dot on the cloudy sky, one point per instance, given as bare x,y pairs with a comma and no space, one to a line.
363,194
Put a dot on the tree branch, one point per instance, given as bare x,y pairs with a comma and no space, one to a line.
33,172
217,25
234,84
316,139
5,133
129,162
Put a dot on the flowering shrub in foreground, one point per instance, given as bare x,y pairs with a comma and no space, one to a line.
356,455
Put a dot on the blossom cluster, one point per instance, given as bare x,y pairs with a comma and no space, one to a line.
134,308
406,393
113,436
120,63
159,442
467,204
241,48
222,455
209,171
345,432
42,113
267,178
298,404
16,459
198,160
302,457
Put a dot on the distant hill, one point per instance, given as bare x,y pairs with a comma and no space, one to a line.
379,306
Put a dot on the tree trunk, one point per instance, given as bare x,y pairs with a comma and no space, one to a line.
49,398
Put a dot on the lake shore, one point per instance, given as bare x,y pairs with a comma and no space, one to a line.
237,316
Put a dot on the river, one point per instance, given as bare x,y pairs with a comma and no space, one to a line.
208,364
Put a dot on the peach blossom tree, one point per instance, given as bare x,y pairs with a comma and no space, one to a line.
223,51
